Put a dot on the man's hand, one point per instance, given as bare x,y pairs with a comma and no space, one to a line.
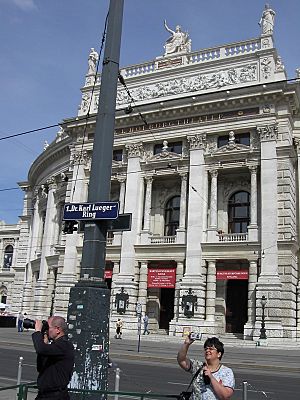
38,325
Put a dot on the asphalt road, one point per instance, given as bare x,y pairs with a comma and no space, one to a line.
272,373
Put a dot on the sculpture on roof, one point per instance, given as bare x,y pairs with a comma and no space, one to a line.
92,62
267,20
178,42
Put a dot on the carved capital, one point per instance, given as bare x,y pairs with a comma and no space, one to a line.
213,173
197,142
80,157
148,179
267,132
51,183
134,150
253,169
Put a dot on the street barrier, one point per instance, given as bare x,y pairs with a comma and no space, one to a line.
23,389
245,388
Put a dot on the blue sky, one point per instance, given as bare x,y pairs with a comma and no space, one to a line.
44,50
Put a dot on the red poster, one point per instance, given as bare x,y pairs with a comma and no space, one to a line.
232,274
161,277
108,274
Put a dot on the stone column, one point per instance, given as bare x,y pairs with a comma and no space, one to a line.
252,280
182,217
211,291
76,193
213,199
269,204
147,209
122,194
179,276
252,229
181,231
142,293
28,292
269,283
41,289
133,204
195,210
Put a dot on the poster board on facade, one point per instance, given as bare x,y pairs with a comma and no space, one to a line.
161,277
108,274
232,274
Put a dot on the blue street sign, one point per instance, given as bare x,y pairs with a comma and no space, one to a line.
91,211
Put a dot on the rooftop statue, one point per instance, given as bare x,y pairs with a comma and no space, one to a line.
178,42
267,20
92,62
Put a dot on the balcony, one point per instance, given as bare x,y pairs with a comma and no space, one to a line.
162,239
233,237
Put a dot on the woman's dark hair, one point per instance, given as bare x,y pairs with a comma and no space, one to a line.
215,342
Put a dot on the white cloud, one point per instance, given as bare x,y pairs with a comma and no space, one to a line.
25,4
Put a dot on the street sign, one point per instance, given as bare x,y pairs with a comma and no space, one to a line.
91,211
122,223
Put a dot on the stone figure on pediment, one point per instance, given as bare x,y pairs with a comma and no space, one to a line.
92,62
267,20
178,42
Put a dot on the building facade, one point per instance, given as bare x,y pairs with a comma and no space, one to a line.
206,160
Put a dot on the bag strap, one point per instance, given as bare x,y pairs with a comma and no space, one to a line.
194,377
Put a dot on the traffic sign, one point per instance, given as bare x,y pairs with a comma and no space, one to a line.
122,223
91,211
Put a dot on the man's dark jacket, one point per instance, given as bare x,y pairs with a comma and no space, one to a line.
55,362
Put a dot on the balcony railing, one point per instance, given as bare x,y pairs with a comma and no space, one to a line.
163,239
233,237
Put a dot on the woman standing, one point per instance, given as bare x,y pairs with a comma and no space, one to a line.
215,381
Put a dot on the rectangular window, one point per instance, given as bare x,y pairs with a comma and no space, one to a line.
173,147
118,155
240,138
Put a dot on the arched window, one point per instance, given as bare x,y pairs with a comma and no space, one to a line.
172,212
8,255
239,212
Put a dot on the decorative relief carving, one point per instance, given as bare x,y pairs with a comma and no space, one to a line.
8,242
197,142
61,134
254,140
279,67
265,43
51,183
230,186
268,132
266,109
44,191
215,80
266,67
79,157
85,103
211,144
135,150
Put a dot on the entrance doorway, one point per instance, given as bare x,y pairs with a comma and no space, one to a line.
166,307
236,305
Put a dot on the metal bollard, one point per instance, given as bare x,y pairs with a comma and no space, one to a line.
19,375
245,387
117,383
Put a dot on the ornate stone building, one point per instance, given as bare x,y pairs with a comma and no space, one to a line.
206,161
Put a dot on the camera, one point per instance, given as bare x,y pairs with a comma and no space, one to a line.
195,335
30,324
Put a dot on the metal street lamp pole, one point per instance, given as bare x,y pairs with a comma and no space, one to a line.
88,313
263,329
